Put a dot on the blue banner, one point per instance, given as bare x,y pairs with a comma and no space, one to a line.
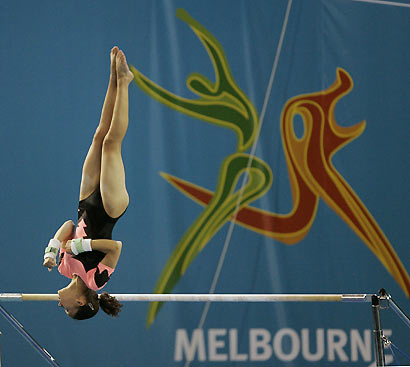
266,153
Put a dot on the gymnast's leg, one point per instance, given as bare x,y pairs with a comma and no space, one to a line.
92,164
113,189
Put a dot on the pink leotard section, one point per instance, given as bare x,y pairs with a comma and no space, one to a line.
70,266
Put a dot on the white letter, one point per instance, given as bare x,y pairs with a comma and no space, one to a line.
336,346
182,344
233,347
320,345
259,338
295,344
214,344
356,343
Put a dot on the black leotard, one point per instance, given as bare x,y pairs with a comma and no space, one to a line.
93,218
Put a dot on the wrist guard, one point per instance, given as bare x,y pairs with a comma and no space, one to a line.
79,245
51,250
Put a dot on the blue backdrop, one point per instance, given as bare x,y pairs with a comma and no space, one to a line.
275,88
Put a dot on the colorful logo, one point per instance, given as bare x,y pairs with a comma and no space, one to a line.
309,160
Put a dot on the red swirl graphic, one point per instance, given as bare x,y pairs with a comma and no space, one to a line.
313,176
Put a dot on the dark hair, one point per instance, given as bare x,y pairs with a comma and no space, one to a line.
109,305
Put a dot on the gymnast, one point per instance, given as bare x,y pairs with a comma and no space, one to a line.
89,256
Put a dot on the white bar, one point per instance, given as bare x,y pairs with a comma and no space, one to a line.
205,297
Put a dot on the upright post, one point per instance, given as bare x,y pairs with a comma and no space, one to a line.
377,332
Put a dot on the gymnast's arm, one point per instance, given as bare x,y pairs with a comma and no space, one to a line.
111,249
64,233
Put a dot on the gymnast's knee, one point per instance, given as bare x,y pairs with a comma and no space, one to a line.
112,143
99,135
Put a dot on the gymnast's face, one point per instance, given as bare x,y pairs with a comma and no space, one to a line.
70,300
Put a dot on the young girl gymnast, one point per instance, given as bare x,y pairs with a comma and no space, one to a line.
89,256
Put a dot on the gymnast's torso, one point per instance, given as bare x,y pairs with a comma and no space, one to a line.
94,223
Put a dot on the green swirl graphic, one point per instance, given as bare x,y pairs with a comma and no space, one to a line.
216,214
221,103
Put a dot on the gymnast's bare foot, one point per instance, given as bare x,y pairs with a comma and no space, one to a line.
113,70
123,72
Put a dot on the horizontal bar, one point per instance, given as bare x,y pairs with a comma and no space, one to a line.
205,297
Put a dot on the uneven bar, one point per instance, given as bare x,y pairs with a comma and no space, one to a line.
204,297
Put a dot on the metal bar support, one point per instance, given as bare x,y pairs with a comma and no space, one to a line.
16,324
377,332
399,312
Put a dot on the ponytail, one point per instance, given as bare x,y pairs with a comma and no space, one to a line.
109,305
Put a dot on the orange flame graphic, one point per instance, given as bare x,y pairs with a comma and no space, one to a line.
313,176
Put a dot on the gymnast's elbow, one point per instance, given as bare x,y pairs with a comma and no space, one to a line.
69,223
118,246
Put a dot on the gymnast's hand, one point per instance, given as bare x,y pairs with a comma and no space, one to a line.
66,245
49,263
